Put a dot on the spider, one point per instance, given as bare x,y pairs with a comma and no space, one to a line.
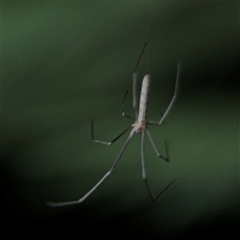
140,126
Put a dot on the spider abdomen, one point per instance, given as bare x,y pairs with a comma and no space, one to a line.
142,115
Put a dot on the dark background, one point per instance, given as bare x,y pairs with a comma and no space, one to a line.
63,63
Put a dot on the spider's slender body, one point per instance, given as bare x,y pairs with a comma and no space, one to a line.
138,127
141,121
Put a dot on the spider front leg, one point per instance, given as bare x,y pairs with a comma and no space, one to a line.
123,107
175,94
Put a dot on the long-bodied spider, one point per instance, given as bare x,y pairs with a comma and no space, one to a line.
140,126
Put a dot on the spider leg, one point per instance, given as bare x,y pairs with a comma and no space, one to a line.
103,142
155,122
174,96
161,121
144,176
155,147
123,105
61,204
